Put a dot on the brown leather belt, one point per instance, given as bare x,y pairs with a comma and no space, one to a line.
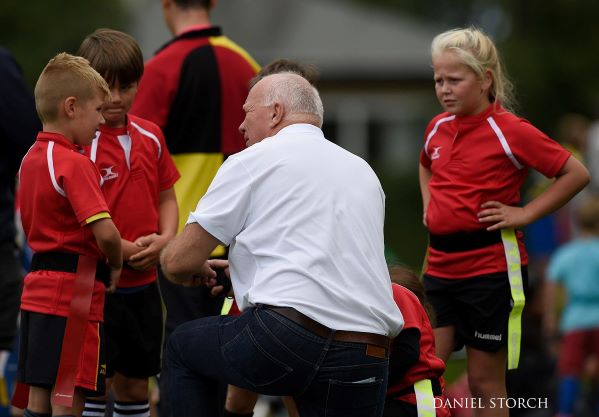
374,341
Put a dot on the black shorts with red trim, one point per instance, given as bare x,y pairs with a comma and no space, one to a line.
134,332
39,352
479,307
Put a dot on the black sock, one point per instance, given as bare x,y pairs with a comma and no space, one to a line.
228,413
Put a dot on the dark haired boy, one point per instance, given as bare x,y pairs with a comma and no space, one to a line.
138,175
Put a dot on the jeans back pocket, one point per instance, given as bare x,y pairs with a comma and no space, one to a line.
354,399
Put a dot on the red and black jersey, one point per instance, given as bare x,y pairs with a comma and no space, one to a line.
194,89
59,194
428,366
136,166
475,159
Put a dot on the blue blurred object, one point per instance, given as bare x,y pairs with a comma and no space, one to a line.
8,379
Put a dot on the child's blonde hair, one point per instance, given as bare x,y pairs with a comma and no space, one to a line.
477,51
65,76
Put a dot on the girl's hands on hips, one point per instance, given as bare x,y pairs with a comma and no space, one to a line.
502,216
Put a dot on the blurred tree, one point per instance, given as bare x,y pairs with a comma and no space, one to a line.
36,30
549,48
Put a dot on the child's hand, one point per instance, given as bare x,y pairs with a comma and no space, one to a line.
502,216
115,274
149,256
129,249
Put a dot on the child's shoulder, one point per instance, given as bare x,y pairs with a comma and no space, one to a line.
507,120
438,119
145,124
401,292
442,116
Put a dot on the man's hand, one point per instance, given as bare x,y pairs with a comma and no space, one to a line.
149,256
216,284
184,259
202,277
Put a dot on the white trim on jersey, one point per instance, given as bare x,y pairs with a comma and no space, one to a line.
504,144
94,148
125,141
432,133
150,135
50,159
21,164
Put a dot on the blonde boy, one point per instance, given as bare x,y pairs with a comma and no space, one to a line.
77,247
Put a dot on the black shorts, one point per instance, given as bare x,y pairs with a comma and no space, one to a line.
478,307
40,347
134,330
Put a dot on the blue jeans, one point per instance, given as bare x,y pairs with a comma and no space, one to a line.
265,352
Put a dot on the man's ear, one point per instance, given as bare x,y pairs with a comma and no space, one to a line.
69,105
277,114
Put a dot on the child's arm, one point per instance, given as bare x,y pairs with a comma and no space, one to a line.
572,178
424,176
129,249
109,241
154,243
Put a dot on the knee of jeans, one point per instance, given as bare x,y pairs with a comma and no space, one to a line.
172,348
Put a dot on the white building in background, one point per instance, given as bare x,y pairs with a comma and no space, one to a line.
375,75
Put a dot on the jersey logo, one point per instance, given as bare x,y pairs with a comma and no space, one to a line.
107,173
436,154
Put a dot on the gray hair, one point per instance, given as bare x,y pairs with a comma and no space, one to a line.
296,94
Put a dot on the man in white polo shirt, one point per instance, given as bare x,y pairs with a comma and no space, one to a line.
304,221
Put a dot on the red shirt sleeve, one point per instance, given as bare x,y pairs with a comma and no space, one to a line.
535,149
80,179
424,159
409,306
167,171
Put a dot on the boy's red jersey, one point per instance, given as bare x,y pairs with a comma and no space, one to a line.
59,194
136,166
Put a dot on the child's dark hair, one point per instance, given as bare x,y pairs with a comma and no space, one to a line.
115,55
408,279
308,71
186,4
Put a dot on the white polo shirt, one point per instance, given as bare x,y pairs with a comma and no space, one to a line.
304,221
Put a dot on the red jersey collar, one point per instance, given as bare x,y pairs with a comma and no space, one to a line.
116,131
57,138
493,108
